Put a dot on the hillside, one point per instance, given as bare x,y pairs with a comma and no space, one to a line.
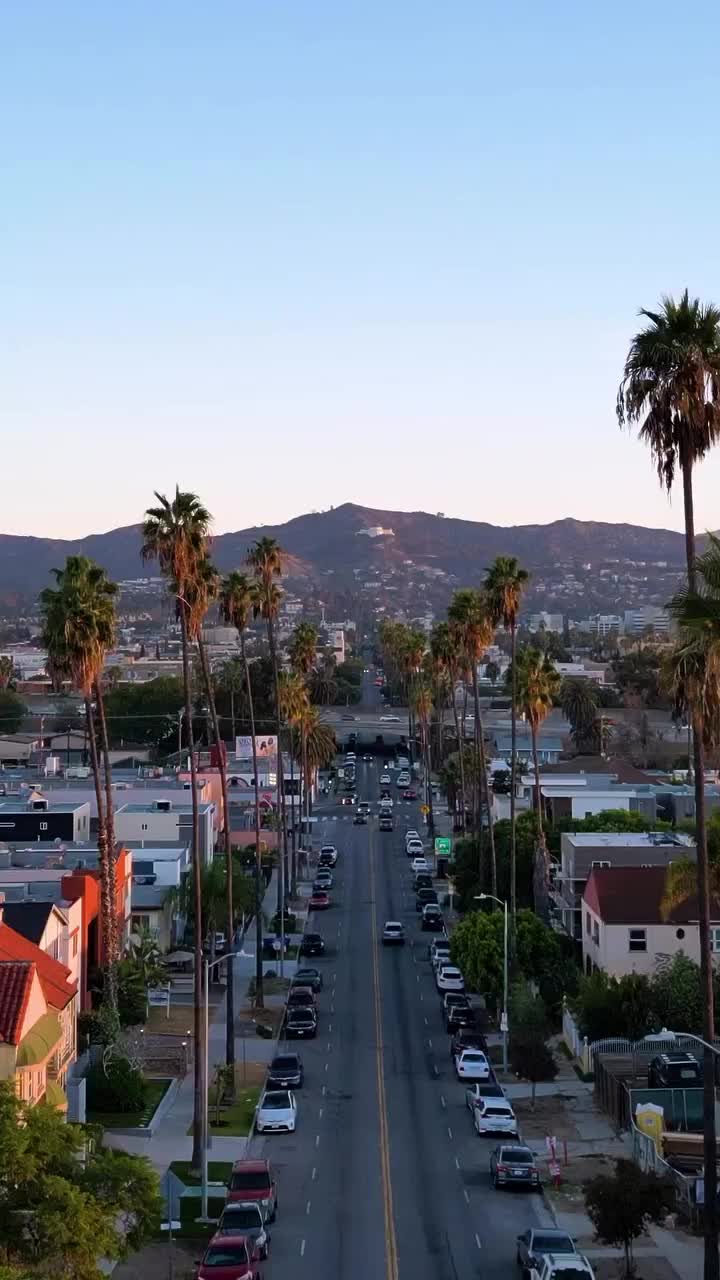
332,541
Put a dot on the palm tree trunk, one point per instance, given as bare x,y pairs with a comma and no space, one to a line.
259,991
198,1021
114,953
293,842
710,1217
428,772
461,757
109,983
282,833
484,784
540,870
513,750
227,849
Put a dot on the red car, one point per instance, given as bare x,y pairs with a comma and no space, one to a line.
319,901
230,1258
410,794
254,1180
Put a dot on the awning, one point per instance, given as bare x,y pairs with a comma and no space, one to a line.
40,1041
55,1096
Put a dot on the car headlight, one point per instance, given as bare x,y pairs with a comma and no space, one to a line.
266,1203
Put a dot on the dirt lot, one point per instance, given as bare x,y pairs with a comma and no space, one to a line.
647,1269
163,1262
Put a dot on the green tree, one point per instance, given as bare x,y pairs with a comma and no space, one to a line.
7,673
677,995
294,705
12,711
470,614
620,1206
476,946
145,714
175,533
671,389
265,560
530,1055
537,684
579,702
505,582
444,644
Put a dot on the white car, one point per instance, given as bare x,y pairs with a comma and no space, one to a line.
329,851
494,1115
439,952
385,779
414,849
277,1112
393,933
403,779
389,719
472,1064
386,804
420,864
411,834
449,978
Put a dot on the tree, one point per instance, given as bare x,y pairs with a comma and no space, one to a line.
621,1204
421,701
505,582
476,946
671,388
606,1006
294,705
146,714
303,654
7,674
237,603
175,533
265,559
530,1056
446,642
469,612
579,702
12,711
537,684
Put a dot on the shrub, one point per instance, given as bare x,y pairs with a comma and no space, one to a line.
120,1087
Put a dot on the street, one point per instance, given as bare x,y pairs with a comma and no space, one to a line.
385,1174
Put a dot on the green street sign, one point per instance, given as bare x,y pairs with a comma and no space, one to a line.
443,846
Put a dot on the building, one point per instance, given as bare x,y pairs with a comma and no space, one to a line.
602,624
19,748
554,622
165,821
626,929
549,747
648,617
157,877
594,671
37,818
56,929
581,853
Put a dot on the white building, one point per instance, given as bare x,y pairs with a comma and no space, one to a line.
165,822
546,622
650,615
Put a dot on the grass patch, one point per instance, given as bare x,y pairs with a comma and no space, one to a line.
179,1023
218,1171
155,1091
236,1119
587,1077
563,1049
271,986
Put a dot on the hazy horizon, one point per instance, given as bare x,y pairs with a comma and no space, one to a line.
394,255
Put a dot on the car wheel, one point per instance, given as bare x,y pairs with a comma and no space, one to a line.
495,1181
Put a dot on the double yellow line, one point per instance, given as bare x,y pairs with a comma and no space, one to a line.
391,1255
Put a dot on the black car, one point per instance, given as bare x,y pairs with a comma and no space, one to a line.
360,820
423,881
300,1024
312,944
432,918
459,1015
675,1070
285,1072
424,897
468,1038
308,977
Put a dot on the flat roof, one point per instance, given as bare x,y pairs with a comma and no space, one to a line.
25,806
629,839
152,807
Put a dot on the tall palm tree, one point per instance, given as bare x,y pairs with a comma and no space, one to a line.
175,533
78,629
469,613
505,582
579,702
421,700
455,659
303,655
537,683
294,702
202,589
265,559
7,672
320,745
671,389
238,598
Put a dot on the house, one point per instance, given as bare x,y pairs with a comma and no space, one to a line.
596,794
166,821
626,930
53,927
157,876
581,853
18,748
37,818
549,747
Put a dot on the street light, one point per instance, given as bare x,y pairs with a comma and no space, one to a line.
205,1142
484,897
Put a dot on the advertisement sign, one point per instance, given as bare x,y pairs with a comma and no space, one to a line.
265,745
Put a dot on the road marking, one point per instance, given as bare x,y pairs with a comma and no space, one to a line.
329,1046
450,1133
332,1008
391,1255
307,1207
457,1163
324,1090
467,1198
317,1140
427,1024
330,1026
302,1249
327,1066
314,1175
429,1043
435,1070
320,1114
443,1103
422,996
477,1241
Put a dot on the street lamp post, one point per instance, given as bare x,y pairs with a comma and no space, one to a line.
484,897
207,966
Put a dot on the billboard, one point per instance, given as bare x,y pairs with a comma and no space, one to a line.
265,745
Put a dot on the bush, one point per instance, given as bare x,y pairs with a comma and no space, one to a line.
119,1088
290,922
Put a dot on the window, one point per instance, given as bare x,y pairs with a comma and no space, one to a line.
43,826
143,826
715,939
637,940
588,924
596,933
75,945
598,863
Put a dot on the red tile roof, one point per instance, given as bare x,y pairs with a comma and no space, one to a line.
54,977
633,895
16,979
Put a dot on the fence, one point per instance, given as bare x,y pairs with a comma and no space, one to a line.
646,1155
640,1051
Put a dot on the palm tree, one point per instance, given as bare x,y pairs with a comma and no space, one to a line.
294,702
469,613
265,559
201,590
671,388
78,629
303,655
452,644
505,582
320,745
323,685
175,533
579,702
7,672
421,701
536,683
237,604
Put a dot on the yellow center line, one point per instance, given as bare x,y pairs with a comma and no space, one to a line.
391,1255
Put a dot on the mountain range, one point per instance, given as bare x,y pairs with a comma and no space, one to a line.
346,538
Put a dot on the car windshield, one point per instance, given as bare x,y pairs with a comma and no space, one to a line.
225,1255
516,1155
496,1110
250,1180
474,1057
300,1015
279,1101
568,1273
284,1062
312,937
240,1220
553,1244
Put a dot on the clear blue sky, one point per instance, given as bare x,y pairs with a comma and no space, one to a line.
291,253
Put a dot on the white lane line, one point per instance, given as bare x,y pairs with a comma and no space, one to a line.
317,1140
450,1133
417,977
329,1046
320,1114
477,1241
307,1208
427,1024
302,1249
457,1163
332,1008
429,1043
422,996
324,1090
330,1026
443,1103
435,1070
314,1175
467,1198
334,977
327,1066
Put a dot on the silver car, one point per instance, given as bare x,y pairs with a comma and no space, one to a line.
245,1218
277,1112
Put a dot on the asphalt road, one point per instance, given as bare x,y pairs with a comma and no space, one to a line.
385,1175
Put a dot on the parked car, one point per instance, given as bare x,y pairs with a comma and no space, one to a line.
230,1258
301,998
562,1266
328,854
425,898
467,1038
535,1243
481,1090
409,794
393,934
384,779
675,1070
423,880
459,1015
300,1024
494,1115
414,848
245,1218
386,822
254,1180
439,950
276,1112
311,944
286,1072
514,1165
432,918
308,977
323,882
319,900
420,863
471,1064
449,978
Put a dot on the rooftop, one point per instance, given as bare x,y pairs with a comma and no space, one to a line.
28,918
628,839
16,978
54,976
634,895
26,806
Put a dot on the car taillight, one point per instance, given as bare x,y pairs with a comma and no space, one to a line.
502,1168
